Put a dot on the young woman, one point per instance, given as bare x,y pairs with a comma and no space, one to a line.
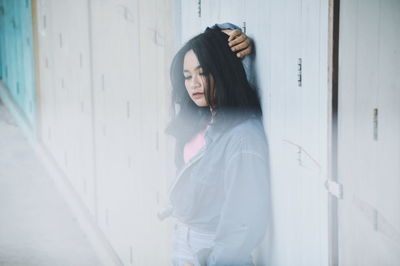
220,195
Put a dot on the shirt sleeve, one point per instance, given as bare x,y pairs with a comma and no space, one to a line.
225,26
245,212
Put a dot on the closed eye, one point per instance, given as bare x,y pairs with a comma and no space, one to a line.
189,77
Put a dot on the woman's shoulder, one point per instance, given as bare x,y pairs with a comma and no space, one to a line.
249,128
247,135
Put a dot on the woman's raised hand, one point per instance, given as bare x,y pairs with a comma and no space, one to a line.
239,42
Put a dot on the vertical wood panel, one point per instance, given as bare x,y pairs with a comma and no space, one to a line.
368,158
65,91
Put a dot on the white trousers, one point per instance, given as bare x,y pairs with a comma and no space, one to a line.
186,242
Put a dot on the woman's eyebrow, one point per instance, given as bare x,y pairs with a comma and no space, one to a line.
185,70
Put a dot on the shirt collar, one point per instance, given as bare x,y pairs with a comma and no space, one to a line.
212,133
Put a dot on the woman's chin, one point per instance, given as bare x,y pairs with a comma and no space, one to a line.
200,103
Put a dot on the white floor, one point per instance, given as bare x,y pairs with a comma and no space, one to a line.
36,225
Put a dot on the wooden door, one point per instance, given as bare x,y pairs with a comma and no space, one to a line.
368,133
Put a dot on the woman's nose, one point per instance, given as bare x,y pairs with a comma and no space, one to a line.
195,82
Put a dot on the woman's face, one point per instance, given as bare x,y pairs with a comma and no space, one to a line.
195,79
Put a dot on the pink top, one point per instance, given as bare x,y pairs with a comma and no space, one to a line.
194,145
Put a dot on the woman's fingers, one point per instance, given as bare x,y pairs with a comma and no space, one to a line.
242,45
233,34
243,53
239,42
227,31
243,48
238,39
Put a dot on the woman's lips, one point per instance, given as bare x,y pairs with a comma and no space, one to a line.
197,95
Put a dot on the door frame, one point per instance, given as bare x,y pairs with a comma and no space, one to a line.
333,75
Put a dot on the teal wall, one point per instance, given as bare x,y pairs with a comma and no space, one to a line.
16,55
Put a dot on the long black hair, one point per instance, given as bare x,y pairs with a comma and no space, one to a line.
235,99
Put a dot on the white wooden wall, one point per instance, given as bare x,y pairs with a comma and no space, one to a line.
65,92
103,104
295,117
103,97
369,146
